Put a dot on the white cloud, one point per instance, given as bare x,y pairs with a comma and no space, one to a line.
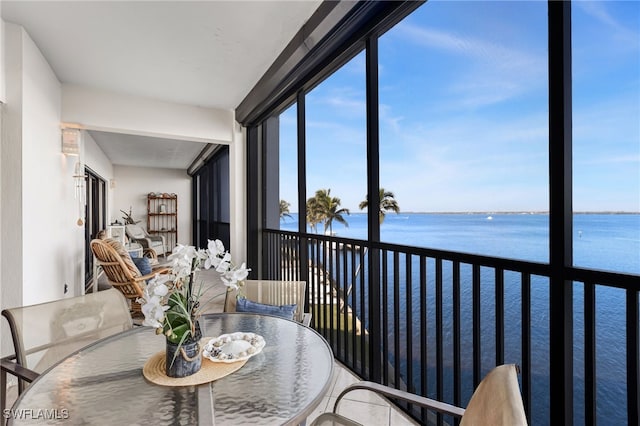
345,102
491,153
626,37
468,164
492,72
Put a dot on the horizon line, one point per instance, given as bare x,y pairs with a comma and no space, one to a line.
505,212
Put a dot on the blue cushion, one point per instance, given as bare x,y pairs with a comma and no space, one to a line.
143,265
284,311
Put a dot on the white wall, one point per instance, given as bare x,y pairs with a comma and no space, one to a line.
95,159
50,208
41,246
2,67
11,169
99,110
39,208
106,111
132,184
98,162
5,341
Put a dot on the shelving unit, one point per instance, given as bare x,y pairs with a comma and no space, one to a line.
162,217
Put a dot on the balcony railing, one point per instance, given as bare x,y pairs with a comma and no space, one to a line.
435,322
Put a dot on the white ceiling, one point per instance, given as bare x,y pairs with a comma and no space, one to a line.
203,53
132,150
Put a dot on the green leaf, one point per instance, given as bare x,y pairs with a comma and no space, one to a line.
177,299
180,333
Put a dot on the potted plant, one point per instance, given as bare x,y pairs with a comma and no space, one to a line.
171,302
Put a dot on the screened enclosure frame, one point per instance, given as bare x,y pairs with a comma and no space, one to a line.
360,28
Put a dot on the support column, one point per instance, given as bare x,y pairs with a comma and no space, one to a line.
373,219
560,213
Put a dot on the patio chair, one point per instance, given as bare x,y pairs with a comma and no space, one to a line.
495,402
121,271
46,333
151,255
272,293
137,234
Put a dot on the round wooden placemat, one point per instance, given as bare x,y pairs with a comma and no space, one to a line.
154,371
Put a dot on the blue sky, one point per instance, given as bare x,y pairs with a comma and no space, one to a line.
463,112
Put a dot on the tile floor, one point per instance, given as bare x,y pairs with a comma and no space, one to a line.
361,406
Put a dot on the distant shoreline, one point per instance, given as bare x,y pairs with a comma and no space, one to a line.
501,212
518,212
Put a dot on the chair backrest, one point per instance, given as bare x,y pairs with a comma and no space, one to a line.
496,400
117,266
45,333
135,231
271,292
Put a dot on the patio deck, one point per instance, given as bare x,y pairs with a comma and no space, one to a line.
361,406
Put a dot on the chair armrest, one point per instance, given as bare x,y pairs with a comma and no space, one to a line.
156,238
150,253
144,242
157,270
392,393
13,368
161,269
18,370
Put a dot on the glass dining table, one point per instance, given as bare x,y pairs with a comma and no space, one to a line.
103,384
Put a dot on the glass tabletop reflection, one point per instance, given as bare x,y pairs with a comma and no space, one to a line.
103,383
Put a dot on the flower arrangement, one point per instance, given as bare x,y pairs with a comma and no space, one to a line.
170,302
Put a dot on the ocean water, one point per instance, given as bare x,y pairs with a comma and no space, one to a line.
601,241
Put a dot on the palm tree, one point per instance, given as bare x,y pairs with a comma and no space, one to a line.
333,212
284,209
387,203
324,208
314,212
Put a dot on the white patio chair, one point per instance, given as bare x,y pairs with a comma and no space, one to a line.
137,234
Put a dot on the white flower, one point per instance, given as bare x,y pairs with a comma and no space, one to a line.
185,261
232,276
154,313
182,259
161,290
217,257
242,272
222,264
152,303
215,247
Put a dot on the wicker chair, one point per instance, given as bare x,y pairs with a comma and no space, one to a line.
137,234
121,272
151,255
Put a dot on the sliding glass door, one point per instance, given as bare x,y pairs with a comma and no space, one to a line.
95,214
